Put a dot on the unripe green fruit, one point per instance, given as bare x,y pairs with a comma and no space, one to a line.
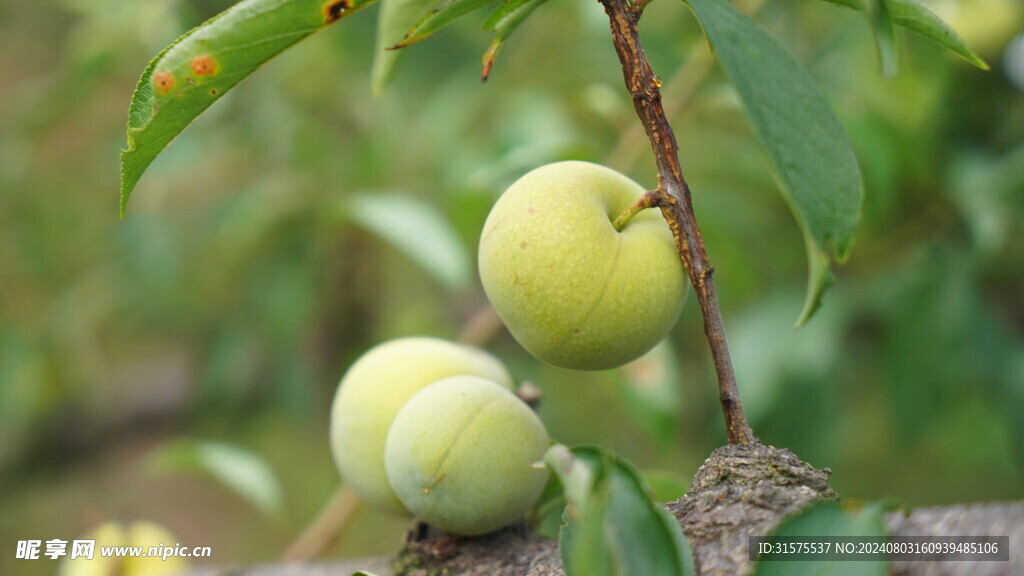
461,454
573,290
372,392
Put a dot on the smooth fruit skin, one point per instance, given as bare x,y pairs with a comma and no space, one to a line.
375,388
573,291
461,454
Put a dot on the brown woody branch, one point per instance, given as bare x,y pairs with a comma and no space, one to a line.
740,491
673,197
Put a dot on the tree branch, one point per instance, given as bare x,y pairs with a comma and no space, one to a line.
676,204
740,491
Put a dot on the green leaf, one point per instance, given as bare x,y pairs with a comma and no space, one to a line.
546,516
418,230
916,17
612,525
829,520
885,38
363,573
807,149
449,12
504,21
201,66
396,18
244,472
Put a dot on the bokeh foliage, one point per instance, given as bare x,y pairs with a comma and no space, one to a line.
253,267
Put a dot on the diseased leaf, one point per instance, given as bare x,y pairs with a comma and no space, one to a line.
916,17
419,231
396,18
449,12
612,525
201,66
807,149
504,21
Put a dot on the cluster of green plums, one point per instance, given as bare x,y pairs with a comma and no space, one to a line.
432,428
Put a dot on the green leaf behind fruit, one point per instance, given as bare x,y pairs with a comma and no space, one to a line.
807,149
418,230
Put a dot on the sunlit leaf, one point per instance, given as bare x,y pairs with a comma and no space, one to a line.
829,520
396,18
244,472
916,17
612,524
201,66
419,231
449,12
504,21
807,149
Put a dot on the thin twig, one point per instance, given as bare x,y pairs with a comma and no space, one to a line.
332,518
679,89
676,204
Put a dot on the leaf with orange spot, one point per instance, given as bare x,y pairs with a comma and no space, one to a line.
201,66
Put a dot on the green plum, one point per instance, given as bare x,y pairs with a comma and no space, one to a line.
573,290
375,388
461,455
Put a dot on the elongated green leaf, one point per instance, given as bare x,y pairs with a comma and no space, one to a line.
612,524
823,521
916,17
504,21
419,231
396,18
449,12
885,38
240,470
807,149
201,66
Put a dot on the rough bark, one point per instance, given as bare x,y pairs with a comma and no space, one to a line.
740,491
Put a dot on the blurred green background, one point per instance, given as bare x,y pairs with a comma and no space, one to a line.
178,366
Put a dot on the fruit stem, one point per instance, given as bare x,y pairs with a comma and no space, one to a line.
646,201
335,514
673,197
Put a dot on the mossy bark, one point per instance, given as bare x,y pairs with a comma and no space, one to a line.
738,492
